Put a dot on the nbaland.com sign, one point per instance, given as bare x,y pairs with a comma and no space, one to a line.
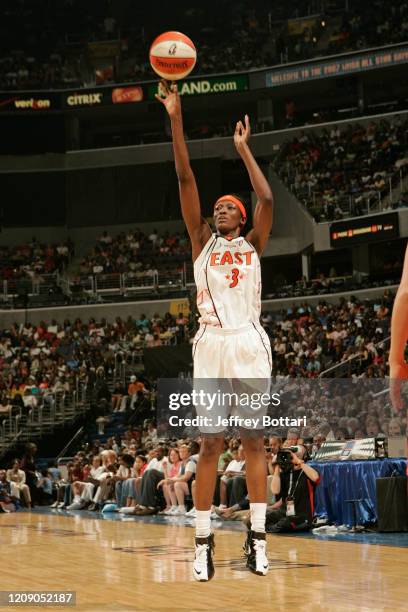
210,85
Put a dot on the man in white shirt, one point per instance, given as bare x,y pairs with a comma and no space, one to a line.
147,500
234,468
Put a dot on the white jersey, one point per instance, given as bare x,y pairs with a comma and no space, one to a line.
228,278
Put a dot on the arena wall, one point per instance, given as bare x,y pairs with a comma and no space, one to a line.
134,309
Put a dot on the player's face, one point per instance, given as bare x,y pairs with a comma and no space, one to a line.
227,217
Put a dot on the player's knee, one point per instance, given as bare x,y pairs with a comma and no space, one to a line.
210,449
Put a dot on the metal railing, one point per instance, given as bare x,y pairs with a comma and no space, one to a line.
94,285
362,203
348,367
128,283
38,285
45,413
69,444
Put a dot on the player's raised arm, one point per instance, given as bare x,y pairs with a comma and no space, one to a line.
399,336
197,227
263,214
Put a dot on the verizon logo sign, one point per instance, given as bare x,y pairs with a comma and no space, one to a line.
32,103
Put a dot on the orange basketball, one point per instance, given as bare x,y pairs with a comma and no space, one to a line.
173,55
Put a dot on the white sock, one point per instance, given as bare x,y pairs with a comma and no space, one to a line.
181,508
203,523
258,512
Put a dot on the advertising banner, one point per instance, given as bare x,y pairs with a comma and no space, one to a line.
29,101
338,66
106,96
206,85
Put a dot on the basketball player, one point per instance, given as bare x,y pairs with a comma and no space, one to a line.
399,337
230,343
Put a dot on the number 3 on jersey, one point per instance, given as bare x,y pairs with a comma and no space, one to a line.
234,277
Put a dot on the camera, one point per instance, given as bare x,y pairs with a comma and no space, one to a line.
284,458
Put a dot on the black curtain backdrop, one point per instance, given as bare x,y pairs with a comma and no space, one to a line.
168,361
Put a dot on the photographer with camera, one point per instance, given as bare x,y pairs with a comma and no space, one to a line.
293,482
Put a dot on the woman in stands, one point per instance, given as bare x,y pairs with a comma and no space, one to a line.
171,470
231,343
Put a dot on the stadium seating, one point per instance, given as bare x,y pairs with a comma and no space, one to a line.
52,51
345,171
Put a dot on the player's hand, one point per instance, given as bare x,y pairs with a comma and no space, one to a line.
398,374
242,133
168,95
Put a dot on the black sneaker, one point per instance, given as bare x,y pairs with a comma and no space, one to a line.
255,551
203,566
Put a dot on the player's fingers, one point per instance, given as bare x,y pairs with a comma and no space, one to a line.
237,128
162,90
174,87
165,86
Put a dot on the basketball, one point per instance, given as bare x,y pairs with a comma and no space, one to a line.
173,55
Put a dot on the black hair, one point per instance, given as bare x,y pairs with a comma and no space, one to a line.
127,459
194,447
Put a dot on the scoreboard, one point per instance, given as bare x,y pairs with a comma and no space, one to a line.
364,229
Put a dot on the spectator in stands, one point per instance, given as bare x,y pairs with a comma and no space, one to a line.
20,489
344,170
124,472
7,501
171,471
45,488
83,492
106,491
234,469
30,470
131,487
147,500
183,485
134,386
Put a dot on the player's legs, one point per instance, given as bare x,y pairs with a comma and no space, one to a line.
256,476
252,370
206,476
256,472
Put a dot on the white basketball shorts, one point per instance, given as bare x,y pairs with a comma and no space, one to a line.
232,360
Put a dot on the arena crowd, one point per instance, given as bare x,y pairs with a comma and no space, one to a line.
344,169
135,253
52,50
34,258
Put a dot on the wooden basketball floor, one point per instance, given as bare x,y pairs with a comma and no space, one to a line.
136,565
